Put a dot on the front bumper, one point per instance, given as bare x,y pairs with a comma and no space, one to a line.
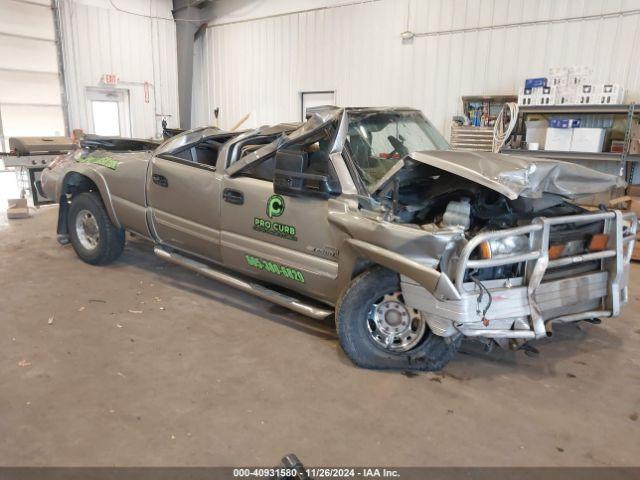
525,307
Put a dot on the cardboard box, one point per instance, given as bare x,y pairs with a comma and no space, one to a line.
610,94
528,96
547,96
587,140
617,146
587,94
18,208
536,132
635,255
634,205
535,82
634,144
564,122
579,75
558,139
633,190
558,81
558,71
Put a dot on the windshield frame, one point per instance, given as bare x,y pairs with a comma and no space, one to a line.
438,141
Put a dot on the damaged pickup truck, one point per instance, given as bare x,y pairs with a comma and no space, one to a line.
368,214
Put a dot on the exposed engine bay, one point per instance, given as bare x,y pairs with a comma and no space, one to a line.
424,195
429,195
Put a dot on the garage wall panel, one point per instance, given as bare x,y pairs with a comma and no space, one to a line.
32,120
138,45
29,75
27,88
25,54
26,19
469,47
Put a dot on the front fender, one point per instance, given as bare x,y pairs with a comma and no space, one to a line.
434,281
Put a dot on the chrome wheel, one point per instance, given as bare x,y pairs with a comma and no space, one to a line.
394,326
87,230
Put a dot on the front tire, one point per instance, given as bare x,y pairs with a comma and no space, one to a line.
95,239
378,331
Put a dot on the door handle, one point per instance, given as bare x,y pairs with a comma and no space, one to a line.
160,180
233,196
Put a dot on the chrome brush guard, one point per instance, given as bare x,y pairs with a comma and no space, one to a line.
524,307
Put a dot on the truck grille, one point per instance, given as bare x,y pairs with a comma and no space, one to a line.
574,239
578,230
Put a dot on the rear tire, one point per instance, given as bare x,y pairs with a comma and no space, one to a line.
365,346
94,237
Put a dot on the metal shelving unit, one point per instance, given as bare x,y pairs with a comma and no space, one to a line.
626,160
577,108
561,155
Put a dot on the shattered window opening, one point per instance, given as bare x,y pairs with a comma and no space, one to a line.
377,140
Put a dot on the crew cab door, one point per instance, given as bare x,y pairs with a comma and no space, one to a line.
281,239
183,196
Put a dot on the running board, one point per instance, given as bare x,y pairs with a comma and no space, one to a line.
278,298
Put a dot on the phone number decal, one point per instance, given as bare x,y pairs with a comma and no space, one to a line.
275,268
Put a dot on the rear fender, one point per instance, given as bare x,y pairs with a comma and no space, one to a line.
76,177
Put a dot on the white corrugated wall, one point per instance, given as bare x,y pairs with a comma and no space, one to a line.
100,40
470,47
30,100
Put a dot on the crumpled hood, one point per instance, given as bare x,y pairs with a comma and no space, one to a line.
519,176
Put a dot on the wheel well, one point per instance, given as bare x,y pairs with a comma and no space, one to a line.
73,184
361,264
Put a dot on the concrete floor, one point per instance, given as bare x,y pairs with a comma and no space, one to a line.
207,375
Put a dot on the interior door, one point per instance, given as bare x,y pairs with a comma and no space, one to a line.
184,204
108,110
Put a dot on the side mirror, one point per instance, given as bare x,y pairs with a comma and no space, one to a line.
291,177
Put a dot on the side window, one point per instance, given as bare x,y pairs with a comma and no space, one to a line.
203,154
305,166
315,148
317,151
183,154
247,147
263,170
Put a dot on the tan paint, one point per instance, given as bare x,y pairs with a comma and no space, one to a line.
335,238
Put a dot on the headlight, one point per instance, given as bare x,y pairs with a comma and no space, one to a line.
504,246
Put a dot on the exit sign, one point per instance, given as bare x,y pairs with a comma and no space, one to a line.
110,79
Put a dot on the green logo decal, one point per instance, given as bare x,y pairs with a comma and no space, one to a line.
275,206
274,228
275,268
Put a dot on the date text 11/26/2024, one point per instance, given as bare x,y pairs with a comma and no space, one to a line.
317,472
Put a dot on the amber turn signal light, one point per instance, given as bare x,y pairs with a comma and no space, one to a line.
598,242
555,251
485,250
